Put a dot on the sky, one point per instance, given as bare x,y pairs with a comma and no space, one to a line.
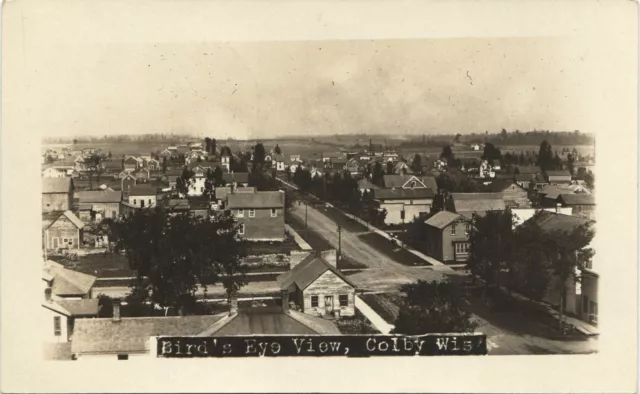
97,84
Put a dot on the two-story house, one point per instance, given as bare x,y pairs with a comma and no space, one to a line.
277,161
62,230
448,237
98,205
260,215
131,163
514,195
466,204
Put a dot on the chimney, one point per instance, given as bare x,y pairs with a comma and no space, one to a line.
47,294
285,301
234,303
116,310
330,256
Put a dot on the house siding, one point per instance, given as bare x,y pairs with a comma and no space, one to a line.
328,284
440,243
262,227
63,228
149,201
57,201
412,208
48,326
518,195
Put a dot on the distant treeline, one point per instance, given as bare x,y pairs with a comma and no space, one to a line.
159,138
503,138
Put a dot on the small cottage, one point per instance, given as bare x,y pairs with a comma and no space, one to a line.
62,230
317,287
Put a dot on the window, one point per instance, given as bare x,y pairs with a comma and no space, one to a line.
274,212
201,189
453,229
123,356
344,300
135,201
462,248
314,301
467,228
240,213
585,304
241,229
252,213
57,328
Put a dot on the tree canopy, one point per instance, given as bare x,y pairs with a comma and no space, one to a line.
432,307
172,254
185,181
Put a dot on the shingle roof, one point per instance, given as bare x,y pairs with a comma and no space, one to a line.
240,177
266,199
577,199
223,191
389,194
143,190
366,184
99,196
563,173
307,271
551,221
477,202
85,307
131,335
528,169
401,180
56,185
67,282
442,219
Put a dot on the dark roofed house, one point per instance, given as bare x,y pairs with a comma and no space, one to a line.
97,205
317,287
447,237
57,194
512,193
223,191
583,205
236,178
468,203
113,166
558,177
403,205
410,182
260,214
143,195
66,283
123,337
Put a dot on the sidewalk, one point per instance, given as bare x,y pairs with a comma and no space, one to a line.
437,265
301,242
373,317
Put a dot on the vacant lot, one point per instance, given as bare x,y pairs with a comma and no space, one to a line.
387,305
110,265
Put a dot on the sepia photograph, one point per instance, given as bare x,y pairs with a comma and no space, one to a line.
207,191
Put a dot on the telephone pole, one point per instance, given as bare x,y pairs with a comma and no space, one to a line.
339,242
306,227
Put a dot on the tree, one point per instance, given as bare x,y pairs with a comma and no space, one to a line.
277,150
491,153
258,156
207,144
589,179
491,239
209,184
213,145
218,177
109,155
289,173
75,141
93,166
389,168
570,163
173,254
447,154
533,267
568,253
185,181
545,157
377,177
416,164
432,307
456,139
164,165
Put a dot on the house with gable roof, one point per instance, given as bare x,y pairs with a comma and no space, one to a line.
62,230
57,194
466,204
405,197
447,237
260,214
317,287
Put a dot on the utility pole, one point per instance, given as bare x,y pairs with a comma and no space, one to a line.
339,242
306,227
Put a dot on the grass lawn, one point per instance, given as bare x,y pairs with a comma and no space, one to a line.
260,248
385,247
355,325
345,221
387,305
